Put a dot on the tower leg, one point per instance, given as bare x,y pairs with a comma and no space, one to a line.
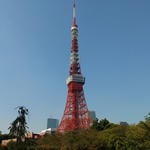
76,114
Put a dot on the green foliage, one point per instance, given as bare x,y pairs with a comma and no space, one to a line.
49,142
18,127
103,135
114,138
75,140
147,117
100,125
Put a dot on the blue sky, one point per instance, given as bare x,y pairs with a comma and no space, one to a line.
114,43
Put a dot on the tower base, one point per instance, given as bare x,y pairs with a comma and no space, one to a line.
76,114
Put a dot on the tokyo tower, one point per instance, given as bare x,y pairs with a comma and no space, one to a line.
76,114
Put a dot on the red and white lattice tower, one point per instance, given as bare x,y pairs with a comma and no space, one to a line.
76,114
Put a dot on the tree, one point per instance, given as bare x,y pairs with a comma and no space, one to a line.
19,127
147,117
101,124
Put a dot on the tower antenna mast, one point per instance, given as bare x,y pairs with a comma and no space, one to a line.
74,12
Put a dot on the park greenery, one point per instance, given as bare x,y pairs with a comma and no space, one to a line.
19,127
103,135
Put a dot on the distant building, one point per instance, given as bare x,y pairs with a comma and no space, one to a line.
5,142
32,135
48,131
92,114
29,135
52,123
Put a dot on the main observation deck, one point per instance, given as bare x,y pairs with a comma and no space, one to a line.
75,78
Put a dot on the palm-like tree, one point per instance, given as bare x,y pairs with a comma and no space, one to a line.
19,127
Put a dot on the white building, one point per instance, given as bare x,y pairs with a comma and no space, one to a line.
48,131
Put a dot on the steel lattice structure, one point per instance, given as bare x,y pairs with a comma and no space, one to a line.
76,114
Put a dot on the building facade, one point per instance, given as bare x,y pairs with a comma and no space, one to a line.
52,123
92,115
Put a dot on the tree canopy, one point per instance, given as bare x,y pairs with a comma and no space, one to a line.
19,127
103,135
